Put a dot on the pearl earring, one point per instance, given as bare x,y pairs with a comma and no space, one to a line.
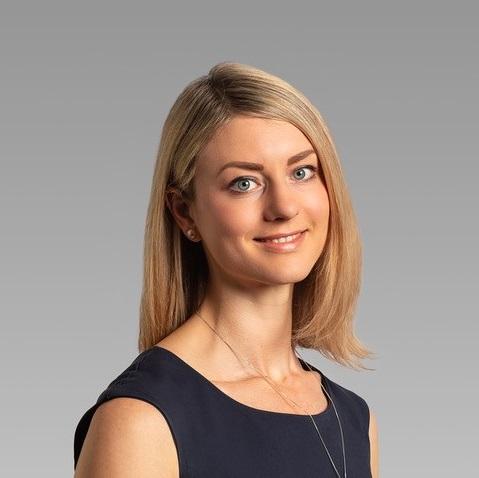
190,233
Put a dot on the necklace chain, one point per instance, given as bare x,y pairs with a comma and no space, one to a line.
292,401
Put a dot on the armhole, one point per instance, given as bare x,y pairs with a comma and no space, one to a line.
368,423
369,417
364,411
85,421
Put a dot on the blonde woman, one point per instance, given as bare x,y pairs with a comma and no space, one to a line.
251,251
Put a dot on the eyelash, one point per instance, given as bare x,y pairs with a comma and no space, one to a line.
314,169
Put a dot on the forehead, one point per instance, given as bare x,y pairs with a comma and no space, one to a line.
252,139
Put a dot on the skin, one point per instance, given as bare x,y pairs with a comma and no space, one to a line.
374,445
249,295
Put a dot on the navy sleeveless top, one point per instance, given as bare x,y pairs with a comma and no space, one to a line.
219,437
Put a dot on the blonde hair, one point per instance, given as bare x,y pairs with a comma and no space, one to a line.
175,269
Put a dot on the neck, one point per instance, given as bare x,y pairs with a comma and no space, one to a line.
260,335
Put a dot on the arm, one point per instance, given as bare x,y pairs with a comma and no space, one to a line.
128,438
373,440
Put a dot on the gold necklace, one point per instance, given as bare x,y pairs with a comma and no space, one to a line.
292,401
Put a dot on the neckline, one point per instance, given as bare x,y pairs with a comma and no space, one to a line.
212,386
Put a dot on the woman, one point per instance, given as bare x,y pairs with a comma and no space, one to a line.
251,250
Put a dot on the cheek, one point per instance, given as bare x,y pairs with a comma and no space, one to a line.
227,217
317,205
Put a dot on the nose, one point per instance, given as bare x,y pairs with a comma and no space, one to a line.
281,201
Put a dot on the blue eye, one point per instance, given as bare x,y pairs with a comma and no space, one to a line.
246,180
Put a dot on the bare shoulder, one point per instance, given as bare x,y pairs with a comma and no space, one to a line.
374,445
128,437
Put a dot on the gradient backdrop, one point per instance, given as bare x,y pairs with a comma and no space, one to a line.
85,88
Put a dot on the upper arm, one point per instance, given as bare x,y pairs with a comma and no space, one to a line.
128,438
374,445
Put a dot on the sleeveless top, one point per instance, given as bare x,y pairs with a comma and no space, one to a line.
218,437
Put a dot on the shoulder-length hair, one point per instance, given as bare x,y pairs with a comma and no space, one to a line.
176,270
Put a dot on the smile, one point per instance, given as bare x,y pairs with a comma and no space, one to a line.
282,239
284,243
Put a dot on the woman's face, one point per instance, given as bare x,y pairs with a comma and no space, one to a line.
264,195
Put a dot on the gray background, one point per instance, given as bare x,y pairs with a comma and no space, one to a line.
85,87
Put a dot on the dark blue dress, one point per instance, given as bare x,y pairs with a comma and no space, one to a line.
219,437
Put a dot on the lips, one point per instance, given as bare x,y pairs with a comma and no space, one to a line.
278,236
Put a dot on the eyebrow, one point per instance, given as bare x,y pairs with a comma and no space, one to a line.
259,167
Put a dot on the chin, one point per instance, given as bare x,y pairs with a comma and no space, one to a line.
291,275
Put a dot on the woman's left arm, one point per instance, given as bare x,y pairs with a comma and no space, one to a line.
374,446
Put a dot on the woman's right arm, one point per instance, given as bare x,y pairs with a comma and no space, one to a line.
128,438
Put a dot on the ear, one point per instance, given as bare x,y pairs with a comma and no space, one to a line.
179,208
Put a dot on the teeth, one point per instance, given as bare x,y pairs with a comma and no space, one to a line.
283,239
